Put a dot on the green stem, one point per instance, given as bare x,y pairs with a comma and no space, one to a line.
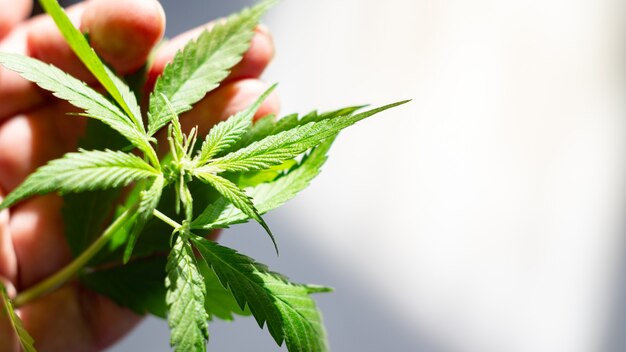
75,266
166,219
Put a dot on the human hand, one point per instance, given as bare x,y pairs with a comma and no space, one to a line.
34,129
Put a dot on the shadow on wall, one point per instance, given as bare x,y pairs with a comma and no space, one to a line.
355,316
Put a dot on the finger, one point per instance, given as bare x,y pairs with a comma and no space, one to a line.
122,31
8,340
45,42
13,12
39,38
108,321
8,261
90,321
227,101
257,58
252,65
222,103
26,142
35,225
37,231
16,92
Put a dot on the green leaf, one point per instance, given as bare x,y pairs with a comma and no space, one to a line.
202,64
238,198
226,133
267,126
151,241
118,90
254,178
175,133
147,203
26,341
276,149
185,299
137,285
82,171
290,313
220,302
266,196
129,97
76,92
95,207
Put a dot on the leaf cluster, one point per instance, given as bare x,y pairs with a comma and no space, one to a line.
236,173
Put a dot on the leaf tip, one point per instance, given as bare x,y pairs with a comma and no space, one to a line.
318,289
269,232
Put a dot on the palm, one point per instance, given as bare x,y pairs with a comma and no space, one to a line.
34,129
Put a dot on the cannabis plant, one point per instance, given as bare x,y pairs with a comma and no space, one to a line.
135,221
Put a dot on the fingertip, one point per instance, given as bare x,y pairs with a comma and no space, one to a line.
271,106
257,58
46,43
252,64
124,32
239,95
226,101
26,142
12,13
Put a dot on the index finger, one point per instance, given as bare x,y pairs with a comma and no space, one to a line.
123,32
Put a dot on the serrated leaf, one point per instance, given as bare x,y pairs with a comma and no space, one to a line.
226,133
220,302
266,196
276,149
96,206
238,198
148,201
26,341
267,126
151,241
254,178
175,133
290,313
129,97
202,64
185,298
118,90
76,92
137,285
82,171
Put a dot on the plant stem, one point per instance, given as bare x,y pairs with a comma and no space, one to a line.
166,219
72,268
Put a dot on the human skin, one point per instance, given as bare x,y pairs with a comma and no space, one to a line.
35,128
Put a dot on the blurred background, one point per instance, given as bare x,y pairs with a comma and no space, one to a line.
487,214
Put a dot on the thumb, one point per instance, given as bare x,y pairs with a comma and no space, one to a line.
123,32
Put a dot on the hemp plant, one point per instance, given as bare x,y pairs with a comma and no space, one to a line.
134,221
